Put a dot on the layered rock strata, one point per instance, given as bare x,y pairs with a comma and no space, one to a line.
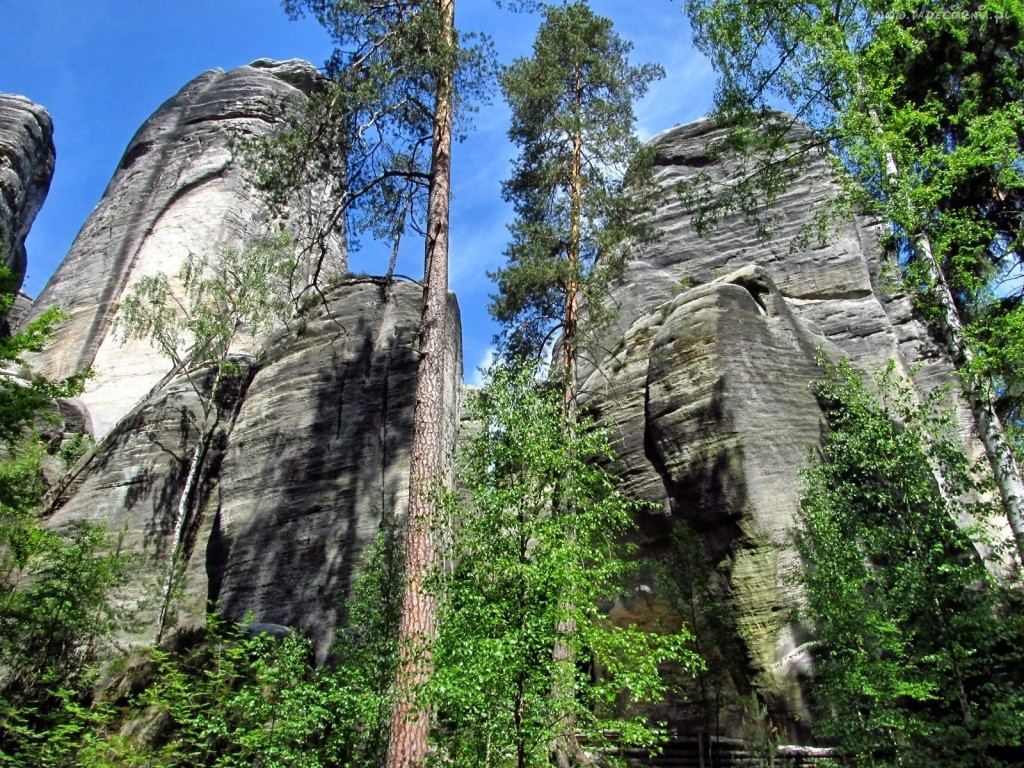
27,158
309,456
706,382
178,189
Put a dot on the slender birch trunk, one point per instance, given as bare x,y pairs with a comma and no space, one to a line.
209,423
1005,468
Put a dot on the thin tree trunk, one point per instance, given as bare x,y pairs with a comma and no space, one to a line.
1005,469
564,689
430,472
185,501
570,323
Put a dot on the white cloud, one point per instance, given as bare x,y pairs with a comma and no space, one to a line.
477,377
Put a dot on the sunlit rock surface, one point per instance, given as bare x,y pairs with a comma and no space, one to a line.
27,157
178,189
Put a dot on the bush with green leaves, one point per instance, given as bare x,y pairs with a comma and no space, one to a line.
24,399
238,700
55,618
919,658
521,578
237,697
55,613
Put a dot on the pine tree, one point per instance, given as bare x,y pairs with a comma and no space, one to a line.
581,184
431,447
384,128
572,117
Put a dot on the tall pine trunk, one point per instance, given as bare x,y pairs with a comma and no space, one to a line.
567,750
431,464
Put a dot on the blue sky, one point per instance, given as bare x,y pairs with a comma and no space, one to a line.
101,67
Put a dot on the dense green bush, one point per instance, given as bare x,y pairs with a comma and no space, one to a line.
919,645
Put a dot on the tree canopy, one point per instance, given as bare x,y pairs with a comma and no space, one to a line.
581,182
921,107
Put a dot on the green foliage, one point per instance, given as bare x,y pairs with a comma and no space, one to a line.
242,291
366,134
366,655
241,698
689,582
55,615
519,575
237,700
75,447
54,585
918,645
21,402
573,121
55,618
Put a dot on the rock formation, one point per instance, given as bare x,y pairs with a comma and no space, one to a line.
310,456
310,448
27,159
178,189
706,383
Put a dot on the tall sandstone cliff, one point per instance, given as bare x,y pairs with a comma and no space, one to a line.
706,383
310,451
178,189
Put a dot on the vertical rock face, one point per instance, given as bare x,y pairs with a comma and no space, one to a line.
27,159
177,190
310,455
706,383
320,456
309,451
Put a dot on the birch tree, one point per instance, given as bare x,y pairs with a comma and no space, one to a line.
922,109
195,325
917,645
